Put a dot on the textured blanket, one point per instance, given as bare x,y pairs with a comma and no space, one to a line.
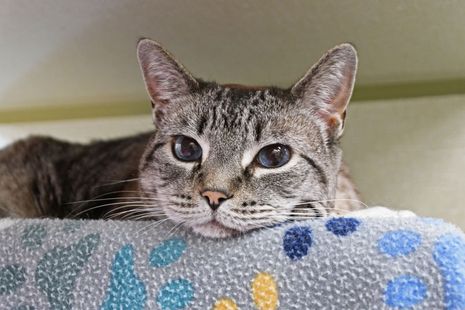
336,263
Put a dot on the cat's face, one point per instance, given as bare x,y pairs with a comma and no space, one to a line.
227,159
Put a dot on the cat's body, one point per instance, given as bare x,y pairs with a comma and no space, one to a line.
45,177
223,159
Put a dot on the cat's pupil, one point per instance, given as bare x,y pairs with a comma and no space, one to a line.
274,156
187,149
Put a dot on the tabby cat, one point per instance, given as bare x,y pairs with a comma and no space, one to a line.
223,160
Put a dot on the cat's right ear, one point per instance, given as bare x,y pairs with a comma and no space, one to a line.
165,78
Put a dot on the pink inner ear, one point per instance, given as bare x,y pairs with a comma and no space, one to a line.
341,100
333,120
334,112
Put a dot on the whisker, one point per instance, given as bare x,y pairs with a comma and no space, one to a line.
108,193
114,198
277,209
133,209
141,212
144,216
101,195
335,199
173,230
118,182
152,225
104,205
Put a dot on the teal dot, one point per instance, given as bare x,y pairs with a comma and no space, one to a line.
176,294
33,236
168,252
59,268
399,242
126,290
11,278
405,291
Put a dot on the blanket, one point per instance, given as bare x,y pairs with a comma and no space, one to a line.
327,263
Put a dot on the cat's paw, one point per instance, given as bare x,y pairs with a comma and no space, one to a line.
381,212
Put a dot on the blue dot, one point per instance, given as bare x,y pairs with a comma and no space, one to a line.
167,253
176,294
449,255
405,291
297,240
431,221
342,226
399,242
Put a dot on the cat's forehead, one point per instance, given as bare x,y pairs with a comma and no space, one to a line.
236,97
237,108
240,116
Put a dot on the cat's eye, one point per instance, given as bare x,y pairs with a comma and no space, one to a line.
274,156
186,149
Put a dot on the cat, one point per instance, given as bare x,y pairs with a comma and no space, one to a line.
223,160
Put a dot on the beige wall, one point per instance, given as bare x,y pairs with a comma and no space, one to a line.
83,52
407,154
410,154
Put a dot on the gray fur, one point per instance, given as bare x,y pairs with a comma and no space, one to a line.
231,123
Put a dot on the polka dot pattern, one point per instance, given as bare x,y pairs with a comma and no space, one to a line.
399,242
405,291
225,304
449,255
265,292
176,294
297,242
342,226
168,252
340,263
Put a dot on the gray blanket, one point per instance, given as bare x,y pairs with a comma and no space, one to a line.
336,263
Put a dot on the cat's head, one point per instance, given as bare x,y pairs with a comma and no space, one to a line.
227,159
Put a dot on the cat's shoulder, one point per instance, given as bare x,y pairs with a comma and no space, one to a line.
32,145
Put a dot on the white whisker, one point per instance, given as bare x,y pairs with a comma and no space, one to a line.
152,225
118,182
72,214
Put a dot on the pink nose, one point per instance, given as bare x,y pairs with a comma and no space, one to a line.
214,199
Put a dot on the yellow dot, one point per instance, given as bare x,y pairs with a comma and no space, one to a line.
225,304
265,292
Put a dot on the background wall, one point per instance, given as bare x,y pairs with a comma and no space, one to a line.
68,69
57,57
410,154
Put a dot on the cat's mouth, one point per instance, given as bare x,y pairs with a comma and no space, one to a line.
214,229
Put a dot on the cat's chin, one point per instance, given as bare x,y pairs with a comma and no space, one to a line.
213,229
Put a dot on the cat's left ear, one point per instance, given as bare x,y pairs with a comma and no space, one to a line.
165,78
328,86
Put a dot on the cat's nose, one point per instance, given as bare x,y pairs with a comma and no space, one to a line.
214,198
